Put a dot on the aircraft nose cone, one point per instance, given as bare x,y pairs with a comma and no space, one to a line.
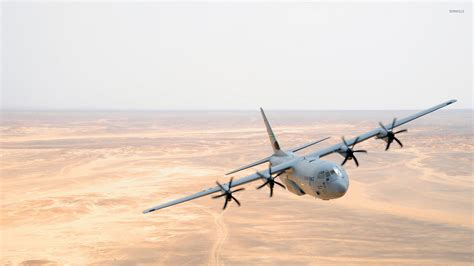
338,188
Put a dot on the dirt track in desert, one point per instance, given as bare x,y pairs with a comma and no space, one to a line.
74,185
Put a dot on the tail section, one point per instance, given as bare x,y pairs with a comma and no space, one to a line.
271,135
276,149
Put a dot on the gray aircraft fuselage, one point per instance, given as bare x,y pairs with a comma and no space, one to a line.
320,179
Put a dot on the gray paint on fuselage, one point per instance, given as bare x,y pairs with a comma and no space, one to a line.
306,176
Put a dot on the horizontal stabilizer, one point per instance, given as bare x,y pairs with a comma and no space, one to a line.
308,145
266,159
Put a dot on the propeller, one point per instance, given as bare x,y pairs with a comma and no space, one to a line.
227,193
270,180
390,135
349,151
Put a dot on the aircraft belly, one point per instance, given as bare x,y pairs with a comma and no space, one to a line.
297,185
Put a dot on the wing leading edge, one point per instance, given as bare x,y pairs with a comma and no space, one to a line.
237,182
378,131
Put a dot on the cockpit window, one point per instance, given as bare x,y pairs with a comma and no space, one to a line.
328,173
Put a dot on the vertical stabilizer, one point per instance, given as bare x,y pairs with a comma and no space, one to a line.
271,135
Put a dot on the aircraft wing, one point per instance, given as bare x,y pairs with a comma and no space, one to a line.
378,132
237,182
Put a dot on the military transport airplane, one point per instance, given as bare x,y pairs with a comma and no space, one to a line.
305,174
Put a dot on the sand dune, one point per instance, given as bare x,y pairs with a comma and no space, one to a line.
74,184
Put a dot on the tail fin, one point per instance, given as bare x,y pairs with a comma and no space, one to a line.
271,135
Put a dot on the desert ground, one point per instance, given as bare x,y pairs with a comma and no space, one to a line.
74,185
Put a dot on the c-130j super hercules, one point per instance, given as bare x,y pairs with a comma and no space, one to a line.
307,174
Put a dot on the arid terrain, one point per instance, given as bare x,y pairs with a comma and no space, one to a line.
74,185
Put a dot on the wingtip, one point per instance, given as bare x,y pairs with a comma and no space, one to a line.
147,211
451,101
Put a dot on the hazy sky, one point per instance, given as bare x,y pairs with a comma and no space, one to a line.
235,55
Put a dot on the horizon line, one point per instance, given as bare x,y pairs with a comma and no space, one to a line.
201,110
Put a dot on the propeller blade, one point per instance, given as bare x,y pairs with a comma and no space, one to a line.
389,135
218,196
219,184
355,160
394,121
398,141
236,200
388,145
270,179
345,142
239,189
345,160
364,151
355,142
261,175
400,131
280,184
279,174
262,185
227,192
